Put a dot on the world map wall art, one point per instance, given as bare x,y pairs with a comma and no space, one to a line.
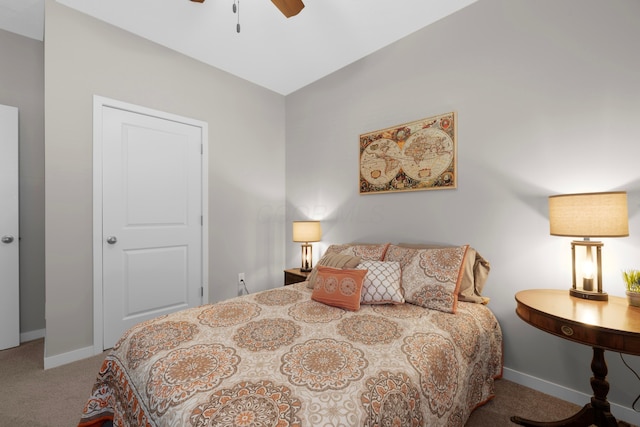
420,155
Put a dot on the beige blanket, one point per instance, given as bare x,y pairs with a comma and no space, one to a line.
278,358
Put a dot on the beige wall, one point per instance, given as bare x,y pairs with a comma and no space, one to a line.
546,101
547,96
84,57
22,86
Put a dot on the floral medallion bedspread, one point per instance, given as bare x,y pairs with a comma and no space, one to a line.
278,358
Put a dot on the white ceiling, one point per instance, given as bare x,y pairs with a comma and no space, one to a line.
272,51
24,17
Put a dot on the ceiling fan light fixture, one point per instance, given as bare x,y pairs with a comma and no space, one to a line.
289,8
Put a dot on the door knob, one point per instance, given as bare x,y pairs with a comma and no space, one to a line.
7,239
112,240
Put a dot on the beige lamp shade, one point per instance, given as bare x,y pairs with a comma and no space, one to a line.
589,215
307,231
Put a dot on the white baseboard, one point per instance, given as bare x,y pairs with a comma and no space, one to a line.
64,358
31,335
564,393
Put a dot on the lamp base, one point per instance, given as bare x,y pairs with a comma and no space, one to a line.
595,296
307,265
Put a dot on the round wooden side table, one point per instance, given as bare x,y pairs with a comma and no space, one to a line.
603,325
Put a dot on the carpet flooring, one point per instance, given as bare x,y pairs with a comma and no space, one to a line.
33,397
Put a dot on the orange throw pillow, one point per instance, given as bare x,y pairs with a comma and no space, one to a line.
339,287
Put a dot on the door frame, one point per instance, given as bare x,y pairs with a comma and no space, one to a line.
100,102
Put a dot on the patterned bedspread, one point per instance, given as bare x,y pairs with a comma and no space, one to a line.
278,358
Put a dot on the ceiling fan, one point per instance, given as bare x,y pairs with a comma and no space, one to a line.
288,8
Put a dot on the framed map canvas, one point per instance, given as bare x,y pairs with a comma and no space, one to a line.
420,155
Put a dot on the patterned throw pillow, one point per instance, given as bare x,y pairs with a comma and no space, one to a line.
339,287
382,283
431,277
475,272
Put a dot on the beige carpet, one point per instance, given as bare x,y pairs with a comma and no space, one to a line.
33,397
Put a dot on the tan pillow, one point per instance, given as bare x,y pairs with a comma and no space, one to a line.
335,260
475,272
366,251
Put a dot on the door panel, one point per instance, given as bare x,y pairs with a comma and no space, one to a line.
155,190
9,247
145,269
152,207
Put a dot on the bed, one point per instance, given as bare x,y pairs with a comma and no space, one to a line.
293,356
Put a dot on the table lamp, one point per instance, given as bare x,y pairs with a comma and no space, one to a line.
306,232
589,215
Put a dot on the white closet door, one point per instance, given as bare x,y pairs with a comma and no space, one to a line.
9,242
152,218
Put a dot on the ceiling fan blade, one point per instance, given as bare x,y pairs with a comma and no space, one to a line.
289,8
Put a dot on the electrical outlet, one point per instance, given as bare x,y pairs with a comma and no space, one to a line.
240,285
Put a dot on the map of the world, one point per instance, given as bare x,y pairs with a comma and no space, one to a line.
420,155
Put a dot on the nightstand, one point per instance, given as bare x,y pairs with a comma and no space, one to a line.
294,275
604,325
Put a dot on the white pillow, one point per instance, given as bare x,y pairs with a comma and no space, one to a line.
382,284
